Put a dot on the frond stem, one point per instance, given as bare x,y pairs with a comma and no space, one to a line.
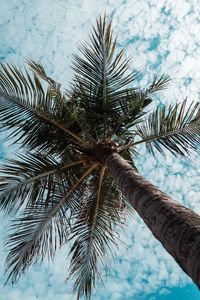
98,198
49,173
76,137
58,205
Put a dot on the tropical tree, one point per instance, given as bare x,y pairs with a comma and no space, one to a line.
76,179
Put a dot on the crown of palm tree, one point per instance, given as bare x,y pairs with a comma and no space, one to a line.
60,188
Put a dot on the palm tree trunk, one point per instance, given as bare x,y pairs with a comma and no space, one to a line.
175,226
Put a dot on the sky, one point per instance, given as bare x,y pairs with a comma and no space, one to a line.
161,37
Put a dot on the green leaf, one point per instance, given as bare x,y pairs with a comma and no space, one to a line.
35,234
42,228
32,179
38,69
158,84
94,231
27,108
101,79
175,128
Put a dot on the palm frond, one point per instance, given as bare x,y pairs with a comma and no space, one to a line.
101,76
38,69
32,178
94,232
42,229
158,84
27,109
175,128
35,234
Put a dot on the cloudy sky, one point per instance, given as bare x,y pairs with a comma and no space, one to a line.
161,37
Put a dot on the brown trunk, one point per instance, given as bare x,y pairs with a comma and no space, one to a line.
175,226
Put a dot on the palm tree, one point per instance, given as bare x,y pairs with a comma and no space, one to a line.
76,179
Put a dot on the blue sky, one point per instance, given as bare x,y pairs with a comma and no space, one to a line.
162,37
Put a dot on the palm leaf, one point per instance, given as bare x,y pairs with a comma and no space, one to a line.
34,235
38,69
101,76
93,231
27,108
42,229
175,128
32,178
158,84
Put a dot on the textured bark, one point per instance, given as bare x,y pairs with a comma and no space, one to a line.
175,226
